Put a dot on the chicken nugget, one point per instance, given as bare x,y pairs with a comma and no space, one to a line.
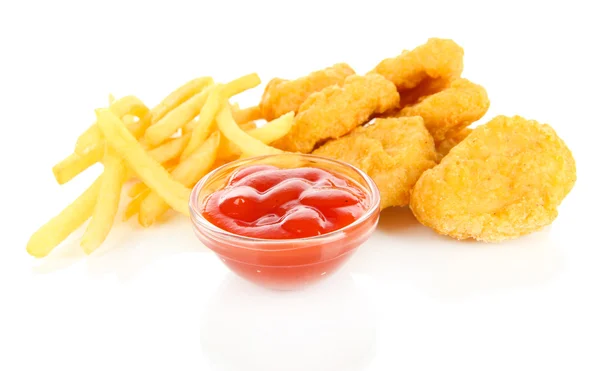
392,151
447,144
451,110
438,60
505,180
335,111
424,89
283,96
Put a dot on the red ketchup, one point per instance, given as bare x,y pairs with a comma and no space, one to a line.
267,202
285,228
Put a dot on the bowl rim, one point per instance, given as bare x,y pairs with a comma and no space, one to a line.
202,223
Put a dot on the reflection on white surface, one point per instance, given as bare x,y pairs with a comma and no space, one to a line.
326,327
128,250
404,250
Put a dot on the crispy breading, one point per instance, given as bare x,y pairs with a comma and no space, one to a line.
447,144
417,94
505,180
436,59
283,96
451,110
335,111
423,90
392,151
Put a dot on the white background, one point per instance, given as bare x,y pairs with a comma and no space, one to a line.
157,299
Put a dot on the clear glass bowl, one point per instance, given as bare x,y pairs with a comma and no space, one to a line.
285,264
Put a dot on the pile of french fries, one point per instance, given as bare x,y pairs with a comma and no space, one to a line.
162,152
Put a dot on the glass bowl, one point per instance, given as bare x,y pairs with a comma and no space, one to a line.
285,264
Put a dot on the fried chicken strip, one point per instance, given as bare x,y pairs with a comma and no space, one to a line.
434,63
283,96
451,110
335,111
504,180
392,151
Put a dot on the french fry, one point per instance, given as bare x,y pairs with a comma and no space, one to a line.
247,126
268,133
107,203
247,144
236,87
57,229
205,121
227,150
170,149
240,85
177,97
139,187
133,207
129,105
207,115
139,161
188,173
241,116
74,164
177,118
136,189
274,130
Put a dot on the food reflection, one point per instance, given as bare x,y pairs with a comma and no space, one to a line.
327,327
407,251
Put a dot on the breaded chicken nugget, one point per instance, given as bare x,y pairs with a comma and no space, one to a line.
393,151
335,111
436,60
505,180
415,95
447,144
423,90
451,110
283,96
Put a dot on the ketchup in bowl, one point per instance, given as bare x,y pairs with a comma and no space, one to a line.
284,221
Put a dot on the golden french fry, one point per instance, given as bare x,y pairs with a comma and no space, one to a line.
136,189
247,126
139,161
128,120
205,121
177,97
171,164
74,164
176,118
62,225
207,115
234,87
133,207
139,187
188,173
189,127
107,203
241,116
246,143
274,130
129,105
111,98
227,150
268,133
170,150
240,85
